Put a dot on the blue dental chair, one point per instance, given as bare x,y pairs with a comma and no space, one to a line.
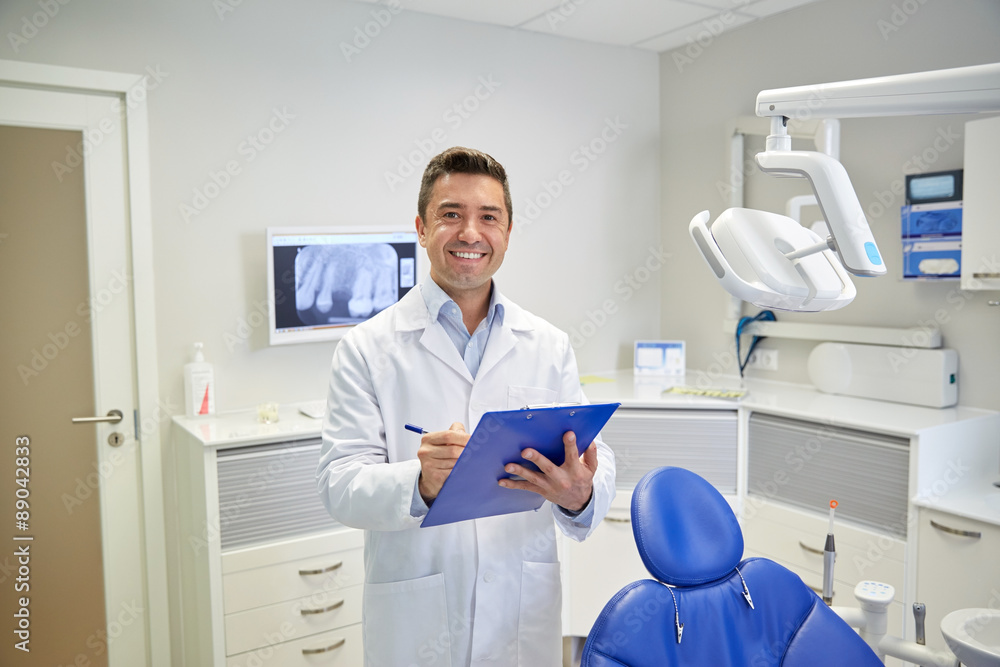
705,606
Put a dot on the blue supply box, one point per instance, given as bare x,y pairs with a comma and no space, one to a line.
932,241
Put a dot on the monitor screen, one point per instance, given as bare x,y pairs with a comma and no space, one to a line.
324,280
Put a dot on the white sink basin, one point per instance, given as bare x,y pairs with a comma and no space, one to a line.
973,635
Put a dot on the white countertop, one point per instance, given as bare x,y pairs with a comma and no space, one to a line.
778,398
240,427
975,498
979,500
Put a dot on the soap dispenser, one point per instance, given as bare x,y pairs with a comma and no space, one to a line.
199,385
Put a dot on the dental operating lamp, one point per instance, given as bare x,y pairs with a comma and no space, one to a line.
771,260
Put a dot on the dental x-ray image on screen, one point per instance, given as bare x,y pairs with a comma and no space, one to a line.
344,284
323,281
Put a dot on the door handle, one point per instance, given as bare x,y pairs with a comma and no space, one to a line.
114,416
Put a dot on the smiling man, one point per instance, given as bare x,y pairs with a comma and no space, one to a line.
480,592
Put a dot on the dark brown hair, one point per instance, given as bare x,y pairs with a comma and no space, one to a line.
460,160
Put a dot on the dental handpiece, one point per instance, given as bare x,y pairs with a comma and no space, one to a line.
919,614
829,556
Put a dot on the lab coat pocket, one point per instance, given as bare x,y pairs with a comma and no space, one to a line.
518,397
539,640
406,623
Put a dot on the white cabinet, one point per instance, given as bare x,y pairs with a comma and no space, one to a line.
796,449
981,208
597,568
264,577
702,439
881,461
958,567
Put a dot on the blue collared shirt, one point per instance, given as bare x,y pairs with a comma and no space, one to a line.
442,308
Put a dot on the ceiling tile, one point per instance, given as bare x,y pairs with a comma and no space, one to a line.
623,22
764,8
506,12
657,25
696,33
732,5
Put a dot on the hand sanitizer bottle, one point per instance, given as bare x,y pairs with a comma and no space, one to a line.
199,386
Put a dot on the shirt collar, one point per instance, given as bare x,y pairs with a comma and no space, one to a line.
435,298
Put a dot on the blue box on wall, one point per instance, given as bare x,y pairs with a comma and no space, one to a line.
932,241
932,258
938,219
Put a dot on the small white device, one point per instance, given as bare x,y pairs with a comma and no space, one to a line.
886,373
761,257
314,409
659,357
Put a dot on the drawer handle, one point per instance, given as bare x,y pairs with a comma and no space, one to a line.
812,550
315,651
323,571
336,605
615,519
974,534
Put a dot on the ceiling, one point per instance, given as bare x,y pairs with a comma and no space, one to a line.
655,25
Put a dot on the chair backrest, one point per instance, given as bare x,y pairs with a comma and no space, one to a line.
705,606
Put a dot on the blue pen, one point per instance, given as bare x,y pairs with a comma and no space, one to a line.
415,429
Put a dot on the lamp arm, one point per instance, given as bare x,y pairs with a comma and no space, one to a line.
852,238
973,89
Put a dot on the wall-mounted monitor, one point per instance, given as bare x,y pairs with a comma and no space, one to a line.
321,281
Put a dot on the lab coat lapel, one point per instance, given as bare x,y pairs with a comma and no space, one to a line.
503,339
437,343
412,315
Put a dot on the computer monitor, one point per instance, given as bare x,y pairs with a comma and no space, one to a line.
321,281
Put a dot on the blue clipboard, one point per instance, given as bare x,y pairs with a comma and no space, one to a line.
471,490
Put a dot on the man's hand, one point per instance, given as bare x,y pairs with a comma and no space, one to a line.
569,485
438,452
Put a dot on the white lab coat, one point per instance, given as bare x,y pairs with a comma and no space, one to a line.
483,592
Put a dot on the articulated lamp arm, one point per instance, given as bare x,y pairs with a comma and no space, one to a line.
740,245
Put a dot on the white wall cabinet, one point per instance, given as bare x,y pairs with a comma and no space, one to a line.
981,206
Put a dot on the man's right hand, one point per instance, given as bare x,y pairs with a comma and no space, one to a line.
438,452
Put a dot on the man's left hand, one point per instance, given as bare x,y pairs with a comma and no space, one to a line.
569,485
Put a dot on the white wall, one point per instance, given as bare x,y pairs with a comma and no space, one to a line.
346,120
703,88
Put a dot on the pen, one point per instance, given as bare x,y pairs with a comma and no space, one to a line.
415,429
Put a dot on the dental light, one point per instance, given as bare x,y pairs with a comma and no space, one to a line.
771,260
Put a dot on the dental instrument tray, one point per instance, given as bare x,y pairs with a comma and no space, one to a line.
472,490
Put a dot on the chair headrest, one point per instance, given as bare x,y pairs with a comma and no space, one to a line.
685,530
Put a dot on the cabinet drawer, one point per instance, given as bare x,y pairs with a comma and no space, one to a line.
256,628
788,535
343,648
291,580
955,571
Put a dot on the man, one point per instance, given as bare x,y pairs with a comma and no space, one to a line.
482,592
